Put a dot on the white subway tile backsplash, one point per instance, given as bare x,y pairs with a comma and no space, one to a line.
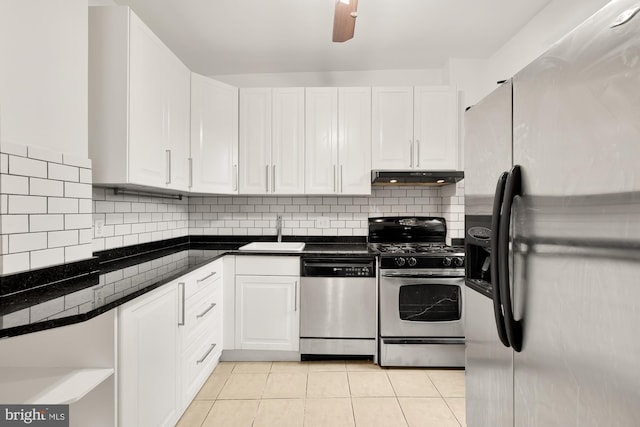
114,218
14,263
45,187
15,149
347,215
115,242
33,201
85,236
14,184
85,176
47,257
25,242
62,205
11,224
4,163
62,238
26,204
77,190
85,206
27,167
63,172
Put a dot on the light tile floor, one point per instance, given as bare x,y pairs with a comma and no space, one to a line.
327,394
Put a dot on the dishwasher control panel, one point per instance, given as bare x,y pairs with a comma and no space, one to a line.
338,267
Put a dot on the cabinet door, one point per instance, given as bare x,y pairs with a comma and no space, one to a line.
287,144
178,121
436,128
214,136
147,104
255,141
354,140
321,140
148,366
392,128
267,316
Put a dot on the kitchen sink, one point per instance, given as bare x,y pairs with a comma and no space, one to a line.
274,246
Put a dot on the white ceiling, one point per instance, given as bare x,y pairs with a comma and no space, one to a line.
215,37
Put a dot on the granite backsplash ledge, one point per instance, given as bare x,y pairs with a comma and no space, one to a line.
68,293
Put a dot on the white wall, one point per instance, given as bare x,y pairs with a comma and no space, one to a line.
477,78
424,77
43,74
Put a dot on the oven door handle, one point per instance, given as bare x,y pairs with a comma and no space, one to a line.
422,275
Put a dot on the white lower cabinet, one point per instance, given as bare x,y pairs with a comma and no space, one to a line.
267,303
201,330
148,371
169,341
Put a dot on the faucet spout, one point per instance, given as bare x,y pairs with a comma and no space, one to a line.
279,227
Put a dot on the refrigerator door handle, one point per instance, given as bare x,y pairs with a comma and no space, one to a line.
495,276
513,188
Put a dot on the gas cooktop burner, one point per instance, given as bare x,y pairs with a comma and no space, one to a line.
415,248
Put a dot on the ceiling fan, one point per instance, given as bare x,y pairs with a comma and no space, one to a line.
344,20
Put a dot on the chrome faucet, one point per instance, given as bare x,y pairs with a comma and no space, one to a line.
279,227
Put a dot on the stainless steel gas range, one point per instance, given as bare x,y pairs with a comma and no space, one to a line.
421,294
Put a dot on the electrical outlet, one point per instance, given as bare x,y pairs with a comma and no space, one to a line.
322,222
98,296
98,228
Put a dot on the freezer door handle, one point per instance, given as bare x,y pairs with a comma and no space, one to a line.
495,278
513,188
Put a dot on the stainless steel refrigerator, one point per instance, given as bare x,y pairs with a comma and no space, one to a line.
552,195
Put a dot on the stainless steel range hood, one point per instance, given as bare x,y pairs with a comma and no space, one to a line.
416,178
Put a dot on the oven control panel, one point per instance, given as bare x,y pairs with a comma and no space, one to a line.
397,261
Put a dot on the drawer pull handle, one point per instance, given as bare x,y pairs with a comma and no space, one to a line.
206,311
206,277
202,359
182,299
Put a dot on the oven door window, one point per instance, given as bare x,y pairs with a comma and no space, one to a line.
430,303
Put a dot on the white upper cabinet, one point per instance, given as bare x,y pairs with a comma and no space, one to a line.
321,139
354,140
178,79
138,104
415,128
392,127
255,141
435,128
338,141
214,136
271,141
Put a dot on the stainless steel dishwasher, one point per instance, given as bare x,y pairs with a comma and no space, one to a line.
338,307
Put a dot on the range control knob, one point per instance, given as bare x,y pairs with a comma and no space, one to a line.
400,261
446,261
412,262
457,261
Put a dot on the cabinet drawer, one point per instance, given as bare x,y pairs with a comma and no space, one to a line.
268,265
206,277
198,361
203,312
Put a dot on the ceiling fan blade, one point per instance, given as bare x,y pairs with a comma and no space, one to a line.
344,20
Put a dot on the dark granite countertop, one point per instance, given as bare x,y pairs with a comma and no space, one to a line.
72,293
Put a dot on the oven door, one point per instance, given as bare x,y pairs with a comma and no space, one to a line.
412,305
